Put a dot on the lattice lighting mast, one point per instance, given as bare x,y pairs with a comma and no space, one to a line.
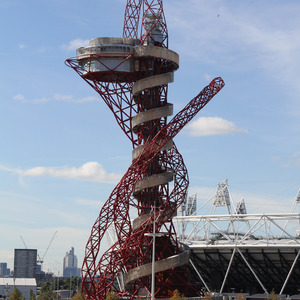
131,75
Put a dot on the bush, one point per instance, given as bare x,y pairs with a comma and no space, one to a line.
16,295
112,296
207,296
46,293
273,296
78,296
177,296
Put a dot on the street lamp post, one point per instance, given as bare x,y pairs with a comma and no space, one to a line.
154,235
70,285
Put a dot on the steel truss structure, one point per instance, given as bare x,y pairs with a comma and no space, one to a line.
131,75
240,251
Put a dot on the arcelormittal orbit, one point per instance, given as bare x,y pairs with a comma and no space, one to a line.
131,75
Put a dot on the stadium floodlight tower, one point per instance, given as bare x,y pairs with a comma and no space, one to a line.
131,74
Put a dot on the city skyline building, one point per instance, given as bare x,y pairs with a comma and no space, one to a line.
25,263
4,271
70,264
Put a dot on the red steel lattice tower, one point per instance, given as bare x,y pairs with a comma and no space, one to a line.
131,74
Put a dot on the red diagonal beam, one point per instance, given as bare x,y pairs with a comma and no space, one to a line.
131,18
180,120
117,206
154,9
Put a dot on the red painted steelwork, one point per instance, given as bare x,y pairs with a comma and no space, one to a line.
128,245
131,18
153,22
128,94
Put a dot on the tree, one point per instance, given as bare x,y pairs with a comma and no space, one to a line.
46,293
240,296
31,295
207,296
177,296
78,296
112,296
16,295
273,296
67,283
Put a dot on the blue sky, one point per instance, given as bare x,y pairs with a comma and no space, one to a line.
62,152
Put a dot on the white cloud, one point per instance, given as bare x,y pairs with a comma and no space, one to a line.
55,97
88,171
205,126
275,157
207,77
22,46
43,49
294,161
70,218
90,203
243,37
75,44
69,98
19,97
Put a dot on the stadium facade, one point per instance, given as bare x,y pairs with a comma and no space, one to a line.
240,252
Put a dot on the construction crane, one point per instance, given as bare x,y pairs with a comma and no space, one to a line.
41,259
23,242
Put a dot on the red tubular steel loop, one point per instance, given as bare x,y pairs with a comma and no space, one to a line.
138,101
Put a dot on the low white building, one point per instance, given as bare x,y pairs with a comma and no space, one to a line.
24,285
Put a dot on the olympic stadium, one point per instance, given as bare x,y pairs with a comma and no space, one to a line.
238,252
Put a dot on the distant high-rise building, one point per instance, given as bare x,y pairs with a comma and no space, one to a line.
25,263
4,271
70,264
